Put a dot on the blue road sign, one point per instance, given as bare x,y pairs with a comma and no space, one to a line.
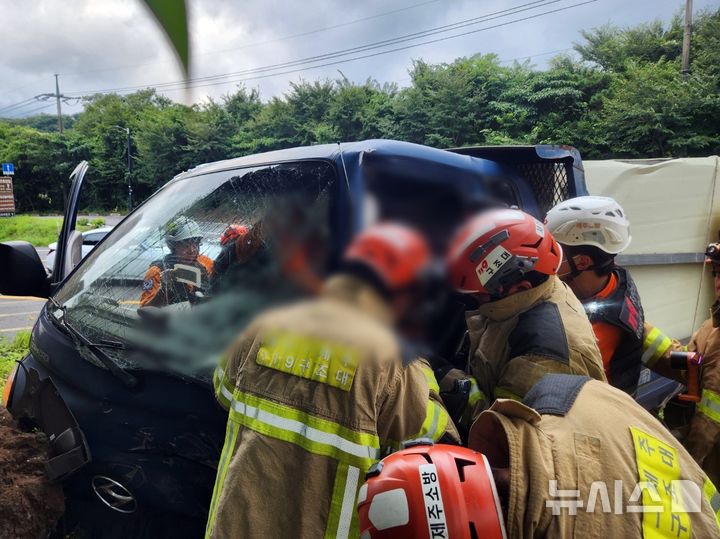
8,169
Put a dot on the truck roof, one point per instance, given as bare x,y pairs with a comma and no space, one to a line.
331,151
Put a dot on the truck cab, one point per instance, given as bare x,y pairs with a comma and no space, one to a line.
123,389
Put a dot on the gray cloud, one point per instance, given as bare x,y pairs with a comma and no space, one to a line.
114,43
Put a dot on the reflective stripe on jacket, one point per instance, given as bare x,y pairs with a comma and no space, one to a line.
175,292
316,392
520,338
583,458
703,440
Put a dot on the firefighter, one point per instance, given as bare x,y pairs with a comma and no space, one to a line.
527,322
161,286
703,439
239,245
556,465
319,390
592,231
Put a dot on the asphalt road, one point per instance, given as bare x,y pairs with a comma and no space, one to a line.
18,313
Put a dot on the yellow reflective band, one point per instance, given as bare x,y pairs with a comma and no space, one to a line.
341,522
651,337
312,433
709,405
475,394
431,381
436,420
223,388
501,393
655,345
713,498
315,359
231,433
664,514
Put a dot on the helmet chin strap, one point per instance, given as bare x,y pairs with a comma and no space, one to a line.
573,273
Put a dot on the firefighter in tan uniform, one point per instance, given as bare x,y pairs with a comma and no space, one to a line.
703,435
578,458
318,391
703,440
528,323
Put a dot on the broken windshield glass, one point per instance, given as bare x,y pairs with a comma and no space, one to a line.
179,279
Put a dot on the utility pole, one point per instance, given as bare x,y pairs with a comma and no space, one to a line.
59,107
129,165
58,97
686,39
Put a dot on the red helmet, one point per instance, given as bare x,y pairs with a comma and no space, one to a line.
396,253
431,491
232,233
496,248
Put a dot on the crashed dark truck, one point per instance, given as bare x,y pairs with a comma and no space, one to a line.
122,385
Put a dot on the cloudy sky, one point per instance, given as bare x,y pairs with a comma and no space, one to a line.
114,45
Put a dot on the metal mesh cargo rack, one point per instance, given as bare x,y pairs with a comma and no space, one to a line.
554,173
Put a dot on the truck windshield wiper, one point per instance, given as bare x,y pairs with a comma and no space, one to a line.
96,348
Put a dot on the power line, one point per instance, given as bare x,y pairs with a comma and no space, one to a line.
28,112
184,84
269,41
396,40
353,50
59,98
377,53
348,51
19,104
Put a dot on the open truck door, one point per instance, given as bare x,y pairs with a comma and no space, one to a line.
24,273
31,395
69,245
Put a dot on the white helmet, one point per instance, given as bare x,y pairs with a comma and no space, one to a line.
596,221
182,229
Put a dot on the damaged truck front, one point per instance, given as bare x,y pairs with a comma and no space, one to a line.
123,389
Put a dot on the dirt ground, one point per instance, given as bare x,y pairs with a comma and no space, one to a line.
29,505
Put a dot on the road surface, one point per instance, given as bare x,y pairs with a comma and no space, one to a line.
18,313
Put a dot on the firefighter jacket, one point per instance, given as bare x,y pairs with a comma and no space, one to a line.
586,461
703,440
622,309
157,293
657,348
316,392
516,340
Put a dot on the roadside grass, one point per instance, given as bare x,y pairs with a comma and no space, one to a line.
38,230
10,352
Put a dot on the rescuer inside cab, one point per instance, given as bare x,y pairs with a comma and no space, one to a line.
527,322
557,465
592,231
319,390
184,274
238,244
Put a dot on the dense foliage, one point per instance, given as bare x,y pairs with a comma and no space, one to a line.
623,97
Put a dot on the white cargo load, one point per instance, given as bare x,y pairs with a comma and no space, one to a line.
674,210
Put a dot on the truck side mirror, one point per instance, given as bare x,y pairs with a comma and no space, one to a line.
23,273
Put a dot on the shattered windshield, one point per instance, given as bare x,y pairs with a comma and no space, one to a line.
181,276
